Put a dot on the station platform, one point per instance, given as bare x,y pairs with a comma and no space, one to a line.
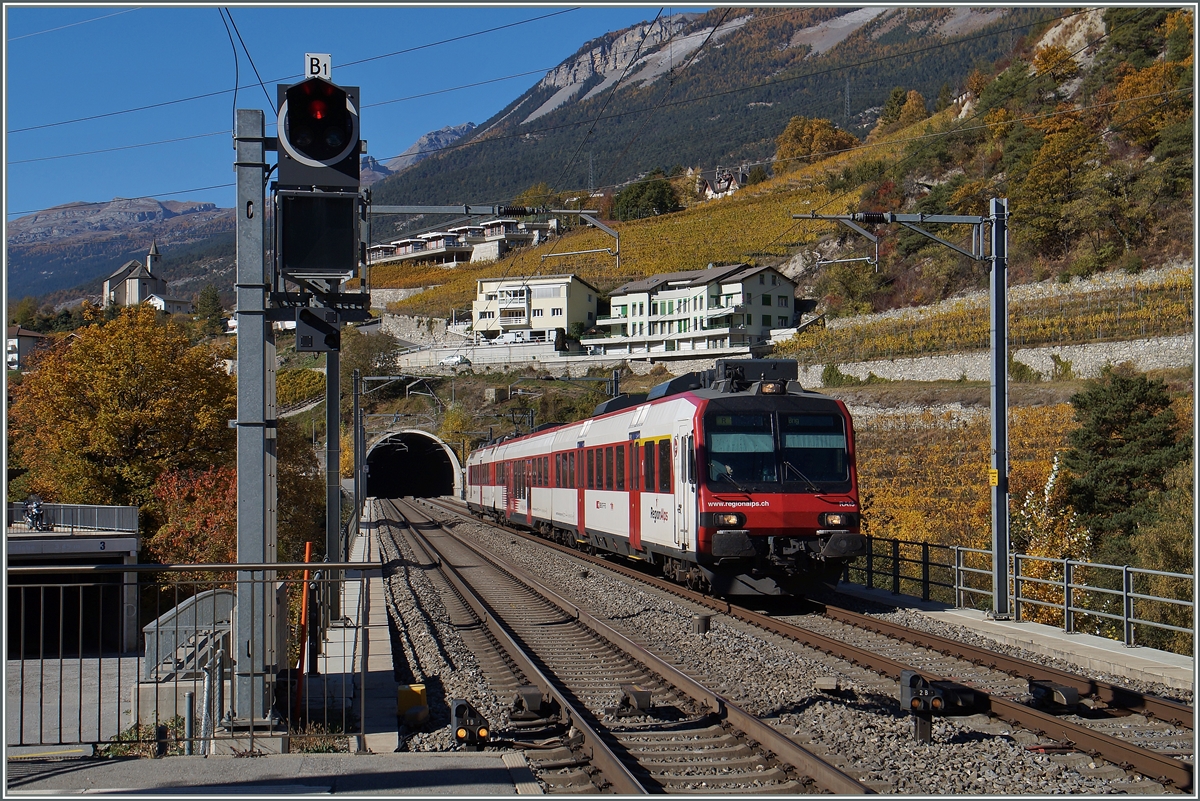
374,770
1091,653
419,774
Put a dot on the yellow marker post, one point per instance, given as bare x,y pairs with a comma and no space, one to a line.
411,704
994,477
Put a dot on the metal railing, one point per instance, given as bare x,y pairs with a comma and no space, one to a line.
69,518
69,681
1115,601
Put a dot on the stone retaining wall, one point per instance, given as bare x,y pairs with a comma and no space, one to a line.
1086,361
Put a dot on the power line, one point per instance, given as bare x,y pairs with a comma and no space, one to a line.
250,58
630,113
284,78
122,147
608,99
71,25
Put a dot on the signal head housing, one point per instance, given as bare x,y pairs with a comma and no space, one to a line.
319,137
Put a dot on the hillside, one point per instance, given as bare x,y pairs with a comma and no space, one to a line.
708,90
77,246
1093,153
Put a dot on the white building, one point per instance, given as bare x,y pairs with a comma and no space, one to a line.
531,309
731,306
170,305
21,342
133,283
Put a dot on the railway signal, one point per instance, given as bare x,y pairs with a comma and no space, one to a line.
925,698
317,330
320,212
319,141
470,728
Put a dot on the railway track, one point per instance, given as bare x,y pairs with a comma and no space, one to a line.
601,712
1124,728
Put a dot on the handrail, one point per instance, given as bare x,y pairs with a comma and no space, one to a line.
962,576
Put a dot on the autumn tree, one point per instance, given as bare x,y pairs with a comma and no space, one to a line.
805,139
198,508
913,110
1056,62
110,409
199,513
539,195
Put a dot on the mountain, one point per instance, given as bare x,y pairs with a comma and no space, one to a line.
77,244
372,171
702,90
694,90
429,144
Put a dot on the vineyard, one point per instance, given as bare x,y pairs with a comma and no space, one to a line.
753,225
1146,309
923,477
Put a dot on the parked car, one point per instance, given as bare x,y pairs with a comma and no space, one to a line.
455,359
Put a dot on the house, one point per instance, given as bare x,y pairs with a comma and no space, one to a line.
170,305
722,307
21,342
476,242
720,182
531,309
133,283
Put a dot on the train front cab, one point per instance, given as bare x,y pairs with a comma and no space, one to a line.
778,493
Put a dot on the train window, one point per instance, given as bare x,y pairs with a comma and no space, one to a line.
664,466
741,449
608,468
620,465
814,448
571,470
649,484
591,468
691,460
635,467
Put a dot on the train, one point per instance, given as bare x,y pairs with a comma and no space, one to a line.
733,481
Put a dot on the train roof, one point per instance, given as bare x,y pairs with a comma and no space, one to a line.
728,378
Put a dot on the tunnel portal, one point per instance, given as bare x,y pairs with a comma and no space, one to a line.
412,463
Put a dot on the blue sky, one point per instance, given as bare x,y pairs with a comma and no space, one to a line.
65,63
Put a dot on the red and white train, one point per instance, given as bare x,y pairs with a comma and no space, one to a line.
735,481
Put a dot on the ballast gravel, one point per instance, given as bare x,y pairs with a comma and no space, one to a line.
431,646
858,727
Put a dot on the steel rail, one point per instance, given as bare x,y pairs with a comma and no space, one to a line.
614,770
1163,709
1114,695
827,776
1150,763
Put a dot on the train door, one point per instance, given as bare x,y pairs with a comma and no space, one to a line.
634,481
683,447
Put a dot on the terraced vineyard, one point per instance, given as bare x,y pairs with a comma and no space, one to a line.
1161,305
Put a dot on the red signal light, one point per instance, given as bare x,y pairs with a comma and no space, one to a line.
317,110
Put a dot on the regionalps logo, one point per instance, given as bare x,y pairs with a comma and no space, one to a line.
658,514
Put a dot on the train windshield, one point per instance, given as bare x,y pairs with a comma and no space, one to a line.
795,451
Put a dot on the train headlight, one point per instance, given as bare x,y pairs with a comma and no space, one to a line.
727,519
839,519
773,388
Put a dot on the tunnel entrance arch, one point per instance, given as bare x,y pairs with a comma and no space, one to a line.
412,462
